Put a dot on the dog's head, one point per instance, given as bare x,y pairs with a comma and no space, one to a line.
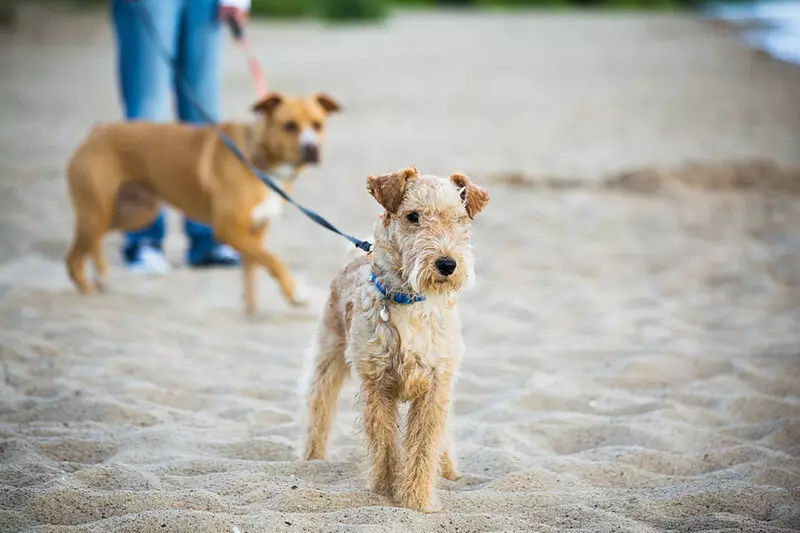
423,236
293,128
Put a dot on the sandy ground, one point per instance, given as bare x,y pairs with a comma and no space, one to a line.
633,356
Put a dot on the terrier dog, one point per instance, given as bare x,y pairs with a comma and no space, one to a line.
392,316
121,172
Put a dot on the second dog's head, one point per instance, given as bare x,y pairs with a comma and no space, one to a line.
422,239
293,129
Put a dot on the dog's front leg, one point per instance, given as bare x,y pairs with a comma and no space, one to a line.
250,246
380,426
250,277
427,418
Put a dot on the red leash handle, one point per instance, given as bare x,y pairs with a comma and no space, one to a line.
257,74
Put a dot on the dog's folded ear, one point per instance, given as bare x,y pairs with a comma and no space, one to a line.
268,104
474,198
328,104
388,189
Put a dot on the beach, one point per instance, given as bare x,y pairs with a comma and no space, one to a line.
632,341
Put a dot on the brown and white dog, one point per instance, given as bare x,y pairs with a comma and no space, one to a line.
122,171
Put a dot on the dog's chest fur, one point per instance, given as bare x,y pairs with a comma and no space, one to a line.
271,207
417,343
422,330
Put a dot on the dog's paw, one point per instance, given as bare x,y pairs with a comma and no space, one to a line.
432,506
449,470
314,454
299,302
451,475
417,501
385,489
301,296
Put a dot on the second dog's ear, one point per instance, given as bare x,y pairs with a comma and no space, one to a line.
267,105
474,198
328,104
388,189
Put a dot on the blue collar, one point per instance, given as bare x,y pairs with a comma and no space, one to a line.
402,298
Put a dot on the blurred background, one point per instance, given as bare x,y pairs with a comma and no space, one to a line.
772,24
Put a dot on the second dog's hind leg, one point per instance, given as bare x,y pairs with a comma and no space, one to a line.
86,241
76,263
100,265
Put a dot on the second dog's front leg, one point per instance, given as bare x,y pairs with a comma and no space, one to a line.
250,246
250,274
427,417
250,287
380,425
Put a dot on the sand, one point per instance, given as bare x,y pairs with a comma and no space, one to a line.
633,341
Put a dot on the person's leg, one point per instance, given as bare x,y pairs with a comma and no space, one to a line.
145,84
199,63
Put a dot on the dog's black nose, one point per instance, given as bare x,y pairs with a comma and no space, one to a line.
309,153
446,265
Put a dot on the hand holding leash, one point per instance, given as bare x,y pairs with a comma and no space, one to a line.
236,28
235,18
228,13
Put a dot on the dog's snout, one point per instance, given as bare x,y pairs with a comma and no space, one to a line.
310,153
446,265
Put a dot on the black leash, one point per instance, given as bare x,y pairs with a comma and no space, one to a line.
269,182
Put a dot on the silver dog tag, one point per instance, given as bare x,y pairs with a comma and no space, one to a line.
384,312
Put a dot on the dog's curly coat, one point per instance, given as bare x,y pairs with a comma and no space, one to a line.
402,353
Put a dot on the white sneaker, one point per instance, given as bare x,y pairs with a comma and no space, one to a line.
227,253
151,262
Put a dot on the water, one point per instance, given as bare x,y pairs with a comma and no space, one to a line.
771,25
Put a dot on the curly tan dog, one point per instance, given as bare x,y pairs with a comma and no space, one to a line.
392,316
120,173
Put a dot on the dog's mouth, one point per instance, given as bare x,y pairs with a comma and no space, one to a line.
446,284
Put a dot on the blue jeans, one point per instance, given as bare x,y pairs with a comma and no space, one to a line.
191,33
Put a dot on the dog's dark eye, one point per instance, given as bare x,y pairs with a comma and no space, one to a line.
317,126
413,217
290,126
